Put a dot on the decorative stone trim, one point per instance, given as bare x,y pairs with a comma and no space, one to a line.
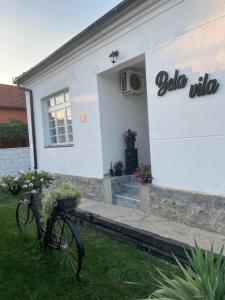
196,209
91,188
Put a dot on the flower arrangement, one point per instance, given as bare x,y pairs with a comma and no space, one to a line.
11,184
31,181
118,167
130,135
49,201
130,138
143,174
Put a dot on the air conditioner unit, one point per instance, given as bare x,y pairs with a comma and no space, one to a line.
132,83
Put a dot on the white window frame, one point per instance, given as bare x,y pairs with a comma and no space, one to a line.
55,108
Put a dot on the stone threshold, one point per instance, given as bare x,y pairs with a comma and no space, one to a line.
127,197
159,236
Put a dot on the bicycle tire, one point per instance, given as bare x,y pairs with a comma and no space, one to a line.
25,219
66,239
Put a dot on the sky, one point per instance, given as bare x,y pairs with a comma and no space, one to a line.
32,29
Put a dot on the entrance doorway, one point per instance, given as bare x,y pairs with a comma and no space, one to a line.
121,111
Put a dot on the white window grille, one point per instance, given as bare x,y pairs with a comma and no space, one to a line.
60,119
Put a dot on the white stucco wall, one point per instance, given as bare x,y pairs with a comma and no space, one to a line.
186,136
83,158
119,113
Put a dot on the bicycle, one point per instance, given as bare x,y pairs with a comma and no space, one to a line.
60,233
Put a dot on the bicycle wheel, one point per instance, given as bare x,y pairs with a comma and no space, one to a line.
66,239
25,219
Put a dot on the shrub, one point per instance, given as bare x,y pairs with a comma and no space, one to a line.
13,130
49,201
202,279
118,165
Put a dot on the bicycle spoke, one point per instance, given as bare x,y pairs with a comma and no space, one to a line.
67,247
62,233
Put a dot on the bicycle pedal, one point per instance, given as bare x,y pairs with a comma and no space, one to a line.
37,257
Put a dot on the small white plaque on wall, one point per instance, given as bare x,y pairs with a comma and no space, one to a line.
83,118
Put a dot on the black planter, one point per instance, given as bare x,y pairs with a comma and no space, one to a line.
145,180
118,172
66,204
130,144
131,158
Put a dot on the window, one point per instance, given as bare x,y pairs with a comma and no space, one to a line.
60,119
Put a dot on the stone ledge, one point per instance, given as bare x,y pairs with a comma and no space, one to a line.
155,244
146,223
192,208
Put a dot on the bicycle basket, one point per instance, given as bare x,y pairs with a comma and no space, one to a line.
66,204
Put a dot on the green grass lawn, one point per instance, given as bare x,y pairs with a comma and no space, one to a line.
107,265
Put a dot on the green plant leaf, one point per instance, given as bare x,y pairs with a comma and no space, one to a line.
202,279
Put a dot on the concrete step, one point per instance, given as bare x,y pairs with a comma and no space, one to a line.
126,199
130,188
133,180
159,235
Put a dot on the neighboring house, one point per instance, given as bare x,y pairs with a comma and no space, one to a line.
14,153
12,103
81,108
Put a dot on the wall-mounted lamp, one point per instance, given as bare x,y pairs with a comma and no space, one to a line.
113,56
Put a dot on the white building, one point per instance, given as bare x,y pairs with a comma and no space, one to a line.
182,137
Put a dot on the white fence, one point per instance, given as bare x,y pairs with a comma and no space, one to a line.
13,160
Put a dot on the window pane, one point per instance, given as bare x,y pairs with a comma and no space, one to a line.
59,99
68,110
52,124
52,132
67,96
52,116
69,117
70,137
51,102
61,130
62,138
53,140
60,114
70,130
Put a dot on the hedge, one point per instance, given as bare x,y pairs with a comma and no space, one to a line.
13,130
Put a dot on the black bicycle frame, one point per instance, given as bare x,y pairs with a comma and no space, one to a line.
37,216
42,232
49,236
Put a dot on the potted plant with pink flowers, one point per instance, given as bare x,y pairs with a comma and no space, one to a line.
130,138
143,174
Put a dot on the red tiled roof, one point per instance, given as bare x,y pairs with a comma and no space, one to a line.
11,96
